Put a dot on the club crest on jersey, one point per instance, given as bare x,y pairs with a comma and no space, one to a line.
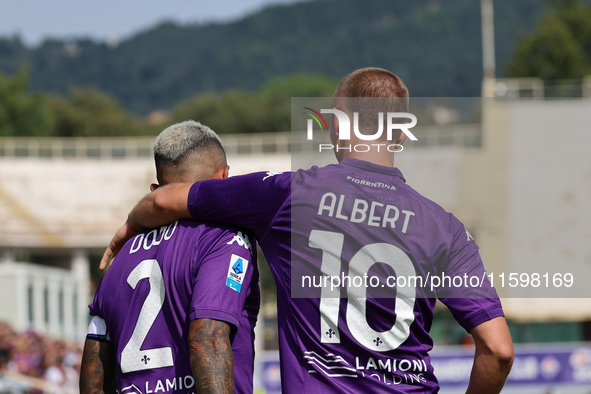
236,272
242,240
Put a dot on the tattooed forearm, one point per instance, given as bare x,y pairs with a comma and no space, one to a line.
211,356
109,358
97,371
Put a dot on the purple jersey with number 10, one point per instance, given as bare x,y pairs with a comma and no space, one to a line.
354,252
160,281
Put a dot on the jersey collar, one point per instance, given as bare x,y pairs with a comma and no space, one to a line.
367,166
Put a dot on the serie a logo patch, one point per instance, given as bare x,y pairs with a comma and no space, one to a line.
236,272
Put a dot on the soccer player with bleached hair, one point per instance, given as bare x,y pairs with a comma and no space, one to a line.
177,311
354,219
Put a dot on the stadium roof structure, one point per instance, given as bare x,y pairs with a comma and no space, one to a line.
62,203
77,196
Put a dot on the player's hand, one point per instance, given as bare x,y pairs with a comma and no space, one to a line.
120,238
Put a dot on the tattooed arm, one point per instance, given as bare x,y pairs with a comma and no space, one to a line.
211,356
97,372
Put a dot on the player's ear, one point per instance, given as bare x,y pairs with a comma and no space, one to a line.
401,138
154,186
221,173
334,124
334,129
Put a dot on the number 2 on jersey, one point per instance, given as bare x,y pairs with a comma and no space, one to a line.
132,357
331,244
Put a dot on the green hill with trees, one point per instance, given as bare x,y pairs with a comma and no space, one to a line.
434,45
239,77
560,45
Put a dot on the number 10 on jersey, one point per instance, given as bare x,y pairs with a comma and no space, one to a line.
331,244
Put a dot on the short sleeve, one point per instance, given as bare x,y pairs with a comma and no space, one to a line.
95,307
97,329
251,201
467,291
223,277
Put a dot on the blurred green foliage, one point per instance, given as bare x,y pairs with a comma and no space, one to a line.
433,45
91,113
559,47
239,77
240,111
83,113
234,112
22,113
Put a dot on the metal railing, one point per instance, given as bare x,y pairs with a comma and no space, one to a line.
235,144
536,88
127,147
90,148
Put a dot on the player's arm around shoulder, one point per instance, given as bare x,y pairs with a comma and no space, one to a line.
493,356
212,360
162,206
97,370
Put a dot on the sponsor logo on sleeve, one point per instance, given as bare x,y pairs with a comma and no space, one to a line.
236,272
269,174
242,240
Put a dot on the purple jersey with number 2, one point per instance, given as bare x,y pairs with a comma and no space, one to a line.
160,281
360,221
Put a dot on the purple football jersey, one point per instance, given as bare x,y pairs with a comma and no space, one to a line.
160,281
325,232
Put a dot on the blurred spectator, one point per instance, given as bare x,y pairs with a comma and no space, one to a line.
39,356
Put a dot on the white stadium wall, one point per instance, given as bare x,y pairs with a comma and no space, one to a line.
55,203
526,195
550,202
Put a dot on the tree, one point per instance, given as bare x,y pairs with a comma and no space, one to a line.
84,113
22,113
240,111
559,48
434,46
90,113
300,85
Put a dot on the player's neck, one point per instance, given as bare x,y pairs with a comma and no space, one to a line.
386,160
